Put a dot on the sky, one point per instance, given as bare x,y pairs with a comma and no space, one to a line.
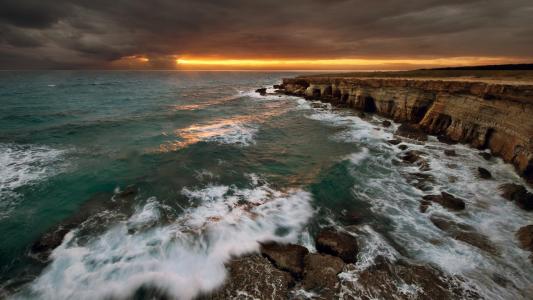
263,34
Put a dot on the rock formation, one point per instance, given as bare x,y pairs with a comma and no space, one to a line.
484,115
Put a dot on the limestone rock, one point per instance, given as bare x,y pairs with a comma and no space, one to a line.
254,277
321,274
288,257
338,244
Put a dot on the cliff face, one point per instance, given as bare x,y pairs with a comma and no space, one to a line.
484,115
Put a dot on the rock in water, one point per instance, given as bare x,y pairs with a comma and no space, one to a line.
386,123
525,236
381,281
463,233
254,277
450,152
288,257
321,274
338,244
447,200
394,142
484,173
261,91
485,155
518,194
412,131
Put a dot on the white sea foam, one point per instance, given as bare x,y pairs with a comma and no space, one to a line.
22,165
183,258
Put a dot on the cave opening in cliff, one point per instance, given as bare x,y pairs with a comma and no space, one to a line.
369,105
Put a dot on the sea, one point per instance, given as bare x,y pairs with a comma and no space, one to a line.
217,169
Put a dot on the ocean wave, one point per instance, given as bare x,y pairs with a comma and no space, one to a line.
183,258
22,165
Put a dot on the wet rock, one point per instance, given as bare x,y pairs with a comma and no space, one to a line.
254,277
485,155
463,233
352,218
450,152
518,194
403,147
525,237
424,205
321,274
412,156
394,142
339,244
447,200
484,173
422,181
261,91
381,281
277,86
386,123
288,257
412,131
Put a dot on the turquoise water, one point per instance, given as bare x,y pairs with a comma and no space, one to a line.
218,169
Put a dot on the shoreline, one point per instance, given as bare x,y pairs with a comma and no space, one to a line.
457,111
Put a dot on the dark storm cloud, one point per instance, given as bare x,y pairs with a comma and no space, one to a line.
87,33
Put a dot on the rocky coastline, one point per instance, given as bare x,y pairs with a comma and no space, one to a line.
485,115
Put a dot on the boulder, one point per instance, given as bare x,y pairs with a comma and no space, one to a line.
412,131
403,147
337,243
320,274
386,123
484,173
518,194
254,277
288,257
447,200
261,91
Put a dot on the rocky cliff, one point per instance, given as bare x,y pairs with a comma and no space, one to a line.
482,114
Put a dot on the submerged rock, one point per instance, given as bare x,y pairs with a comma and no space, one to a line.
412,156
484,173
403,147
254,277
447,200
422,181
321,274
450,152
464,233
518,194
287,257
339,244
46,243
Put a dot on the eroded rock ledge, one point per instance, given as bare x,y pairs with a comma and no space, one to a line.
484,115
